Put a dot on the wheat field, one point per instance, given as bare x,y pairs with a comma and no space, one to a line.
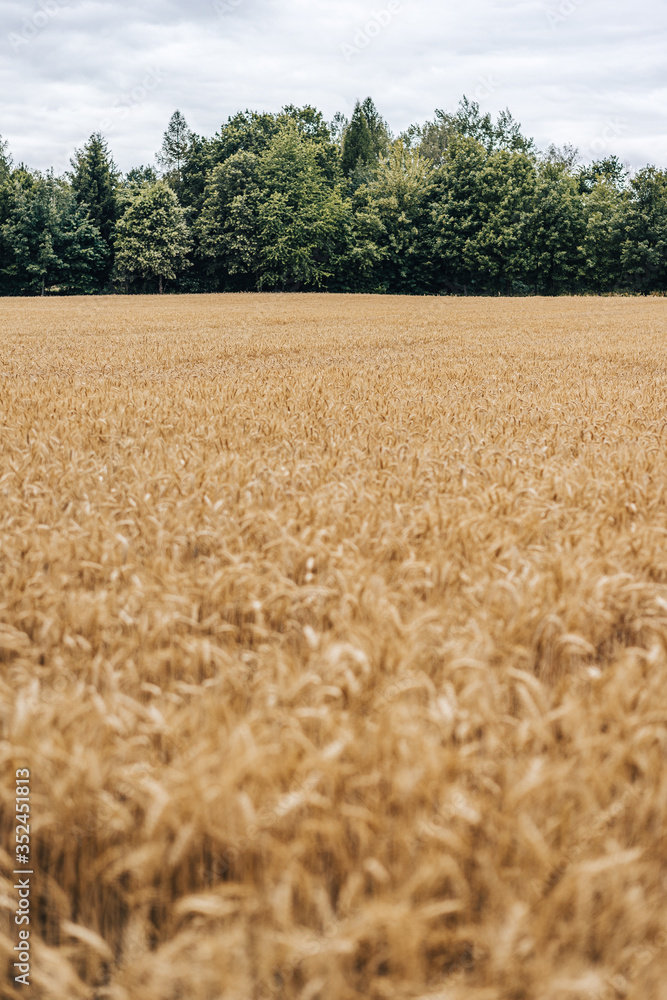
333,633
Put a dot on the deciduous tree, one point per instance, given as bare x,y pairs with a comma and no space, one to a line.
273,216
152,237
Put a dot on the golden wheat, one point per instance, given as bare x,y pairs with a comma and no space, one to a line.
333,631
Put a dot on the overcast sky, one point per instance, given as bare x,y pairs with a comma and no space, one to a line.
590,72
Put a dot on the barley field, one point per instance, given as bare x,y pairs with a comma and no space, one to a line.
333,634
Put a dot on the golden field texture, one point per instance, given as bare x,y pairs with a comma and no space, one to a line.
333,631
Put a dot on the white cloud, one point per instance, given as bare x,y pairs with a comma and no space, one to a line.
583,71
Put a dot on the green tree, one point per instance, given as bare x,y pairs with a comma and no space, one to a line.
378,128
229,228
13,182
434,137
273,218
478,217
604,203
252,132
196,167
365,139
300,215
392,214
644,247
337,127
357,143
94,179
244,133
174,149
139,176
152,237
566,157
607,171
48,239
555,230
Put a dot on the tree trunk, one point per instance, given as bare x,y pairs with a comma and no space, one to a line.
43,285
161,286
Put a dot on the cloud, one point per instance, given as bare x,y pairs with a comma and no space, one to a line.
583,71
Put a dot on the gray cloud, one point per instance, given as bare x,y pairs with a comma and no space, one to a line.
583,71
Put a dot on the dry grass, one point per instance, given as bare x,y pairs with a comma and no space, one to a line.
334,633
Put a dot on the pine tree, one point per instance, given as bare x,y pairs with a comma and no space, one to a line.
357,142
94,182
94,179
175,144
378,128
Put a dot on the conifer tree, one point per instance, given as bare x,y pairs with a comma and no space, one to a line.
357,142
378,128
173,152
94,179
49,240
94,182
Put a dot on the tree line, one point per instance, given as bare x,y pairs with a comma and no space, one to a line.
462,204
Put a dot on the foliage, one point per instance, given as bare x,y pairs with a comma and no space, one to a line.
608,171
357,142
555,231
140,176
434,137
175,145
365,140
48,241
94,180
479,216
5,161
604,205
272,215
392,213
152,238
462,204
644,248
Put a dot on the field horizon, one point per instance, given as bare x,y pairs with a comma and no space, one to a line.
333,636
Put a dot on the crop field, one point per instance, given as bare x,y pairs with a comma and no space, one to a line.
333,637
